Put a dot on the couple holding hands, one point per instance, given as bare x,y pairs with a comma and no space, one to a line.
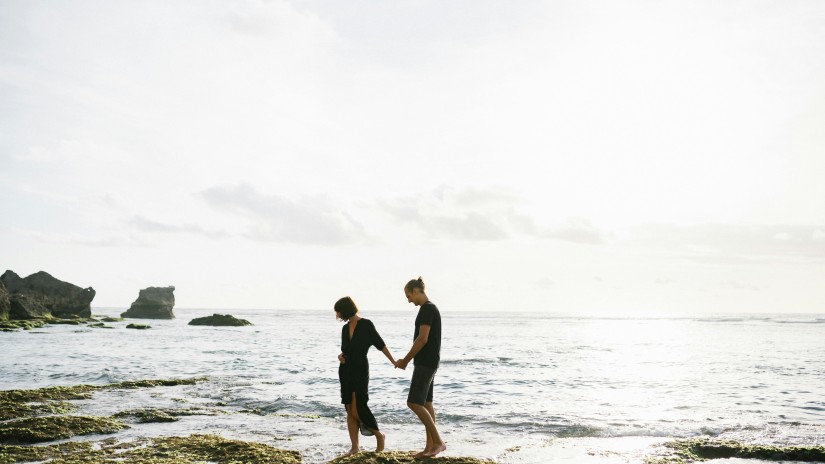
357,336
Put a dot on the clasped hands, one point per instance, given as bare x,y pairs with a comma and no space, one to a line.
399,364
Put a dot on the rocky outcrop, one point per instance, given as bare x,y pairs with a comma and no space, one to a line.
27,307
5,303
220,320
153,303
41,295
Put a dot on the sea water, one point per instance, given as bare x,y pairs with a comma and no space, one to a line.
512,386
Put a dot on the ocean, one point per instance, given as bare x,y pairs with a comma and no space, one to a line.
515,387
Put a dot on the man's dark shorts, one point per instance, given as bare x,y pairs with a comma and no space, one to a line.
421,387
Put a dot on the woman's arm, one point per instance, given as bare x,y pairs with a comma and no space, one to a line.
387,353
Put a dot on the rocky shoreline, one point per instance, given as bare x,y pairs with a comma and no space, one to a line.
38,426
35,423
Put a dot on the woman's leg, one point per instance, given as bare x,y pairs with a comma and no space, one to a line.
379,439
352,426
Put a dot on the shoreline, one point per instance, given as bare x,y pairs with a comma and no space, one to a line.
40,425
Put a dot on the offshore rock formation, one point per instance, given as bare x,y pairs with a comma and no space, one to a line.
41,295
220,320
153,303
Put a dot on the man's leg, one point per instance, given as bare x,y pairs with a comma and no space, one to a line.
433,438
420,395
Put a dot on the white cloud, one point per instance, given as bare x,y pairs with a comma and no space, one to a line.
147,225
729,242
483,214
575,230
308,220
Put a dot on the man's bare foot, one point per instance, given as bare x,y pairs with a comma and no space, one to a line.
379,441
352,451
419,454
435,450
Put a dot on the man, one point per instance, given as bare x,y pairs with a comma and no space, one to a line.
426,353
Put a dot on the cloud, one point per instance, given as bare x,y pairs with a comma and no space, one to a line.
575,230
476,214
448,213
147,225
309,220
545,283
113,240
726,243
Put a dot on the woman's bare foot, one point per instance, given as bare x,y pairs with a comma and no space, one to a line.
435,450
379,441
419,454
352,451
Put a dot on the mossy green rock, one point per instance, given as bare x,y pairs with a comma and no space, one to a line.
147,415
51,428
220,320
16,404
138,326
14,325
701,449
165,450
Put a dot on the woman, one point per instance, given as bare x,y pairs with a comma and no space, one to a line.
357,335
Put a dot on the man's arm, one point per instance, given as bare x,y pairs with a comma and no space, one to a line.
418,344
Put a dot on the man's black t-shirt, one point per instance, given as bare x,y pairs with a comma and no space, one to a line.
430,355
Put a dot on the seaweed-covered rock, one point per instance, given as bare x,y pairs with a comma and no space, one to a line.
153,303
5,303
51,428
16,404
146,415
701,449
220,320
178,450
138,326
13,325
59,298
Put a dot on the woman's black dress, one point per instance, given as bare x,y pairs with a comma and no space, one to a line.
354,374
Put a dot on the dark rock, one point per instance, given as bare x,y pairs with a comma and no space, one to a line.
138,326
67,321
27,307
220,320
5,303
153,303
12,281
61,299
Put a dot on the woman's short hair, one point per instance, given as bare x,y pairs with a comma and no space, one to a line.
413,284
345,308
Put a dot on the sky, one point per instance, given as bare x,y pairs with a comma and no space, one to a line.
565,156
